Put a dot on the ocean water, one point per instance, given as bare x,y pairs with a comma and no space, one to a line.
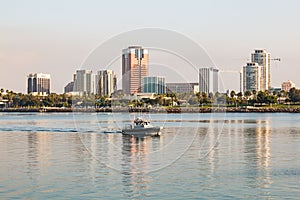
198,156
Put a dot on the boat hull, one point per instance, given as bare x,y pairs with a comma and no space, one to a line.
151,131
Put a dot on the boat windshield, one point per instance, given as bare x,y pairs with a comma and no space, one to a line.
141,122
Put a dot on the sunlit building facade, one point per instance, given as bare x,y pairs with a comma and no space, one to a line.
135,62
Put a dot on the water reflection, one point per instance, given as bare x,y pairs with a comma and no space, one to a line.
135,151
257,157
212,157
257,154
38,152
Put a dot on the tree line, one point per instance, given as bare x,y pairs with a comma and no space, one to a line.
17,100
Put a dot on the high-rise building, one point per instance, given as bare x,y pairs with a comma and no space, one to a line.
208,80
135,62
251,77
154,84
69,87
83,82
182,87
38,84
261,57
286,86
105,82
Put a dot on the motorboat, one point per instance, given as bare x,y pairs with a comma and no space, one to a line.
141,127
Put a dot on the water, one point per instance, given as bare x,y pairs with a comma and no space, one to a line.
198,156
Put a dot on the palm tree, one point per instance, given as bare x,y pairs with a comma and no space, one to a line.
254,92
247,95
199,97
240,95
232,95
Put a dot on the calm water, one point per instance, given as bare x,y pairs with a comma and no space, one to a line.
198,156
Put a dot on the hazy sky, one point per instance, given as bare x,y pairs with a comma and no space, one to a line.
56,36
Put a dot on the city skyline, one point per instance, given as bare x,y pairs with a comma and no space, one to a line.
254,76
34,39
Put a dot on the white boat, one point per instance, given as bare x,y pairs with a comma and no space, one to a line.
141,127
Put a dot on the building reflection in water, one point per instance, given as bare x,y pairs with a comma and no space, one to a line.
38,153
258,153
208,140
135,164
212,151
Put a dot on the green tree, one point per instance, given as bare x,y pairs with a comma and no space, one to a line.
247,94
261,97
239,95
294,95
232,97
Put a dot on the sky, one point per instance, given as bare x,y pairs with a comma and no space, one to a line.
57,36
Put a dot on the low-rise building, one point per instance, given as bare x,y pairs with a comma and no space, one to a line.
286,86
181,87
154,84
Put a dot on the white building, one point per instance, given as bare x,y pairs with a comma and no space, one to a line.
251,77
154,84
261,57
83,82
105,82
38,84
208,80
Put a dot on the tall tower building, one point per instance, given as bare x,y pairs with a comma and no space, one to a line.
251,77
135,62
208,80
261,57
106,82
38,84
83,82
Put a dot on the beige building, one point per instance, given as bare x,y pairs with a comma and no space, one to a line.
286,86
135,62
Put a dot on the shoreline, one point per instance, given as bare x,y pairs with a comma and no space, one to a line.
160,110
